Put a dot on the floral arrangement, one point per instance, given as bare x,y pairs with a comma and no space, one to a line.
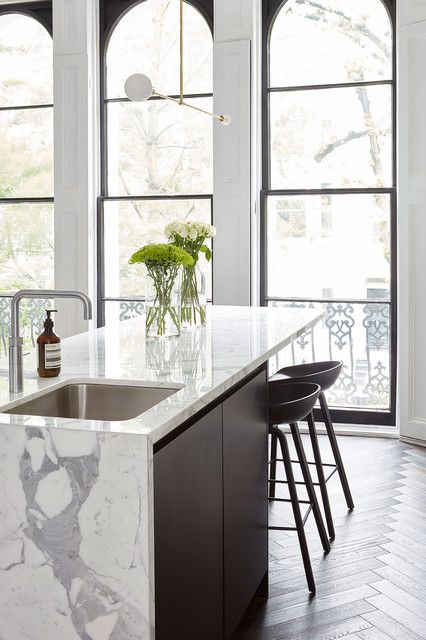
165,255
162,262
191,236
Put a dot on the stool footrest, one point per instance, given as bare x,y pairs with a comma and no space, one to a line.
334,468
305,517
288,500
300,482
324,464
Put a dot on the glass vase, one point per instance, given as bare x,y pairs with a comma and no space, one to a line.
162,301
193,297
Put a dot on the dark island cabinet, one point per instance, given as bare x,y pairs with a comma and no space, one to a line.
245,504
210,517
188,526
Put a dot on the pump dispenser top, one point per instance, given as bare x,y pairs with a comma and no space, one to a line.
48,323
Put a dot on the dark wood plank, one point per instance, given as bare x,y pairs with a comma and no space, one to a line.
404,582
390,626
406,600
399,613
385,537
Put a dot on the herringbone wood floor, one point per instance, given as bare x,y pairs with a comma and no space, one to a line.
372,586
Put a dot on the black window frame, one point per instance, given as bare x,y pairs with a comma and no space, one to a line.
42,13
270,10
111,12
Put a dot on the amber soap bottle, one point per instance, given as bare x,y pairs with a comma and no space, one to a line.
49,350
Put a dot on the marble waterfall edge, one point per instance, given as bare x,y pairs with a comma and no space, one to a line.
74,536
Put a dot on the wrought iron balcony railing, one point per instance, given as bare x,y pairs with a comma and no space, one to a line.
359,333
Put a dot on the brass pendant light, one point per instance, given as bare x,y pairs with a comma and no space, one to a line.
138,87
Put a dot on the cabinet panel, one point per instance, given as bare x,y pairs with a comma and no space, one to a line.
189,533
245,472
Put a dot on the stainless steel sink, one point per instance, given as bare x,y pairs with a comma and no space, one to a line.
93,401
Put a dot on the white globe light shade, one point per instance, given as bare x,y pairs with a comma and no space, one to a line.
138,87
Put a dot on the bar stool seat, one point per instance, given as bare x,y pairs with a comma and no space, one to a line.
288,403
324,374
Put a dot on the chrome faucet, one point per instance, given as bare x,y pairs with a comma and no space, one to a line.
16,377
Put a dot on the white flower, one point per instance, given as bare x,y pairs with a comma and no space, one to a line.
190,229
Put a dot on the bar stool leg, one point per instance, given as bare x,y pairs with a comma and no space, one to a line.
296,510
321,477
273,465
336,451
309,486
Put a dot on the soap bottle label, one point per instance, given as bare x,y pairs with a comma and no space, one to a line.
52,356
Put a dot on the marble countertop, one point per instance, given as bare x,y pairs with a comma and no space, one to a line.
202,364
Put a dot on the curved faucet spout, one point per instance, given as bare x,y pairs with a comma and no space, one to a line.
15,342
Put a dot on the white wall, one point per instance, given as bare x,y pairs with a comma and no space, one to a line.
76,99
412,218
235,73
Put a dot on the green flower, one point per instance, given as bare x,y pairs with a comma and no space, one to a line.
162,255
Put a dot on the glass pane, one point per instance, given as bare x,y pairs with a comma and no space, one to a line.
331,138
348,41
123,310
158,147
32,317
26,143
330,247
360,336
130,225
26,62
26,246
146,40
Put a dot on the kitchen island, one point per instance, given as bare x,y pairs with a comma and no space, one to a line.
148,527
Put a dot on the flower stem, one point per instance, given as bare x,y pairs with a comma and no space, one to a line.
156,316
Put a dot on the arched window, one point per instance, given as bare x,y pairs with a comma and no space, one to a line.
329,186
26,149
157,156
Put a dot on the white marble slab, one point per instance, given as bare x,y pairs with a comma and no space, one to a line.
205,362
76,557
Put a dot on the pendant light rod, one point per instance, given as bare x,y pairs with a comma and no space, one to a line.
138,87
181,101
181,50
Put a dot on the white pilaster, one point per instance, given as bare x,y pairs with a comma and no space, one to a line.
412,218
411,11
75,46
233,189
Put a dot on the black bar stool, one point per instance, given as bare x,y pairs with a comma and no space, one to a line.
325,375
288,403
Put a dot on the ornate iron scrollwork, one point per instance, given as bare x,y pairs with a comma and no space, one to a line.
378,386
32,318
340,322
131,309
377,323
377,328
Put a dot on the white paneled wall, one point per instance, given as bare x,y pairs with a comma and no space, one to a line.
412,218
233,189
75,46
232,173
411,11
